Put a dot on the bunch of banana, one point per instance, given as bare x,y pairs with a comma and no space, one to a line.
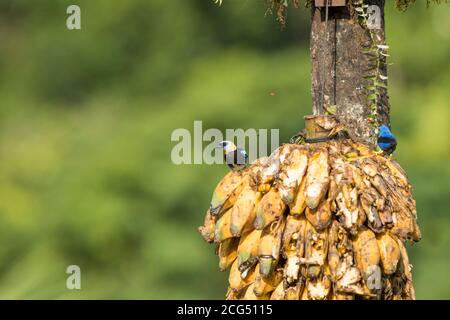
315,221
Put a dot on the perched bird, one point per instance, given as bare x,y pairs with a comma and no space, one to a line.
386,140
235,158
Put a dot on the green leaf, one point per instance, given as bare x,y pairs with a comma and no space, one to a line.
381,85
372,97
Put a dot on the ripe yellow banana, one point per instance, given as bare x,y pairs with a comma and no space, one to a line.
244,211
367,256
226,193
250,294
264,286
333,257
227,253
409,288
248,249
237,281
389,253
342,296
294,293
269,209
278,293
292,174
299,205
317,178
222,231
269,248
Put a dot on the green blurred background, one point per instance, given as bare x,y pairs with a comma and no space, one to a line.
86,118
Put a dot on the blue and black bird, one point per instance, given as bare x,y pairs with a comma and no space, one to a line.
386,140
235,158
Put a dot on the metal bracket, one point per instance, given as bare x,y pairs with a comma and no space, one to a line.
333,3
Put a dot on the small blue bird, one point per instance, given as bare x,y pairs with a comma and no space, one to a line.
386,140
235,158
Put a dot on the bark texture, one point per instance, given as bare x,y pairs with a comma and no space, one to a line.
339,66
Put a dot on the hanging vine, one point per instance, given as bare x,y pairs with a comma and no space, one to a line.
377,54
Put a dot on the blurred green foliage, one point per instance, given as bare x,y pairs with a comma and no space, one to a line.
86,118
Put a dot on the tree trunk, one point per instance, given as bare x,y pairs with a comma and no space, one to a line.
339,66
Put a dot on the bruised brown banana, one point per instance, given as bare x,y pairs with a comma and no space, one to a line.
316,249
318,289
293,247
320,217
272,168
208,227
